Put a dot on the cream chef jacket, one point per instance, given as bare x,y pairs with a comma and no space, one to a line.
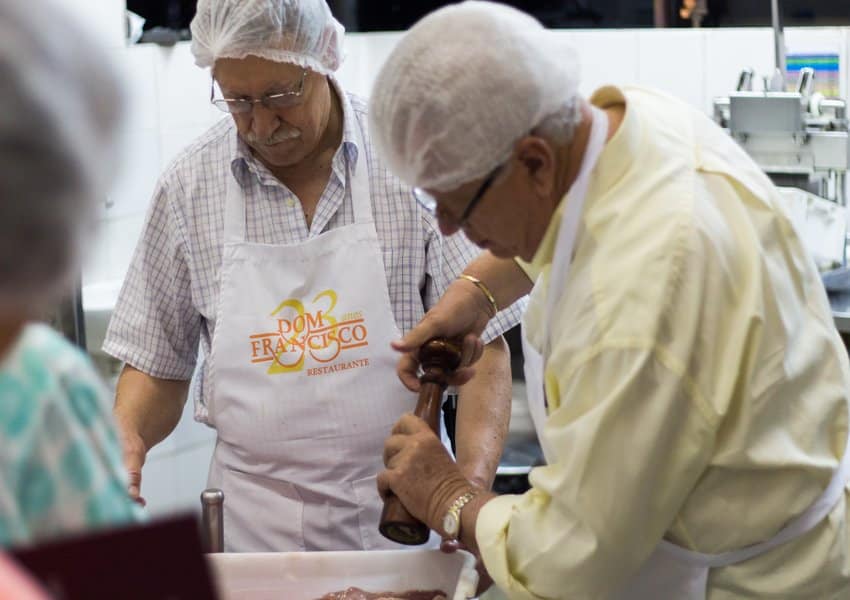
696,384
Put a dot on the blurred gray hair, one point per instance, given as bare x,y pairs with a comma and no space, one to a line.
59,109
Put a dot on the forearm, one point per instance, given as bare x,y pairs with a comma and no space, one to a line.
149,406
483,415
502,276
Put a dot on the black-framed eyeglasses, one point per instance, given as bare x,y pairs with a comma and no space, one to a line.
429,203
241,106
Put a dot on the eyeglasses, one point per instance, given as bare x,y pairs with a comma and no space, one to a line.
429,203
241,106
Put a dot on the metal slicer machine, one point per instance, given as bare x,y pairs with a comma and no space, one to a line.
800,140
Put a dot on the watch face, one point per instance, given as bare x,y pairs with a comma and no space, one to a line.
450,524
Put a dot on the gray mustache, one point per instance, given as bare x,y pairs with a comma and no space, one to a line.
282,134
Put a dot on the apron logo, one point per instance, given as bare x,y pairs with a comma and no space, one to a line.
315,333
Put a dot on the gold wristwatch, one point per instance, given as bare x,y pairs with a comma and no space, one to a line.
451,522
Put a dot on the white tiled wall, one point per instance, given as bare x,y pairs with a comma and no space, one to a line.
728,52
364,53
169,107
673,60
606,57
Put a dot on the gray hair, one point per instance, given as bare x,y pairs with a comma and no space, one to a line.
58,113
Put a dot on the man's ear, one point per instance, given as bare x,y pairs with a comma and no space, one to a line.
537,158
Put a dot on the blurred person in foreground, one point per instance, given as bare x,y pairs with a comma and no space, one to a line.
60,459
684,374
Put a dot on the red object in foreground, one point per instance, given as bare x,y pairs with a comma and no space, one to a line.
161,560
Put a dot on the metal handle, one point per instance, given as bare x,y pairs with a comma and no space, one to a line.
806,82
745,80
212,516
438,357
778,45
396,523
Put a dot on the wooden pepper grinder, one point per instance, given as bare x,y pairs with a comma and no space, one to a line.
439,358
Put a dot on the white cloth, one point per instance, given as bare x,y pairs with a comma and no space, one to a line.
442,116
301,32
534,360
303,385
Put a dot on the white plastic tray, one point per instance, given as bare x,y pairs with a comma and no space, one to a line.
309,575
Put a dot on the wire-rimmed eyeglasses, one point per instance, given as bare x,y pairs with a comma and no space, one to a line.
241,106
429,203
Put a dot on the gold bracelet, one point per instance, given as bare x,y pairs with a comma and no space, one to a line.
484,289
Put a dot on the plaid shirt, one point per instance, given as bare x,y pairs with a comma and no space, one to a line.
168,302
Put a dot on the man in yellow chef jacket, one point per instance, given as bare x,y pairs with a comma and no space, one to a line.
280,243
685,377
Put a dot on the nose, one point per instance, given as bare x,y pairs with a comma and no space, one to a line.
264,122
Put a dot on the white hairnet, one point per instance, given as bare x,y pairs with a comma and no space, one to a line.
301,32
59,106
461,87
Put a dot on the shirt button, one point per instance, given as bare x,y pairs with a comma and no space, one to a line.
290,202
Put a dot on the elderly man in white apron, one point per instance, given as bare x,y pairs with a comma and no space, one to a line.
684,375
280,242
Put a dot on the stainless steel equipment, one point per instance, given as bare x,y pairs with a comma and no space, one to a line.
799,138
212,520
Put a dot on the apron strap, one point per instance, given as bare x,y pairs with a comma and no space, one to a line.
798,527
234,208
358,179
572,217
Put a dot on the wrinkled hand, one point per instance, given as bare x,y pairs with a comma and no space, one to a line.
134,452
463,312
420,472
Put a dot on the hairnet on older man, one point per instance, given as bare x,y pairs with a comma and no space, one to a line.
59,106
300,32
478,104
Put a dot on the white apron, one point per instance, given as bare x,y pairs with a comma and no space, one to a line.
671,572
570,220
302,384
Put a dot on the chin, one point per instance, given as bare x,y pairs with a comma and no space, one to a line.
276,156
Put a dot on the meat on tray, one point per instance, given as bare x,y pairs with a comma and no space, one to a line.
354,593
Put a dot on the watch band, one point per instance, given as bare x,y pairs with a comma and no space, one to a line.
451,522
